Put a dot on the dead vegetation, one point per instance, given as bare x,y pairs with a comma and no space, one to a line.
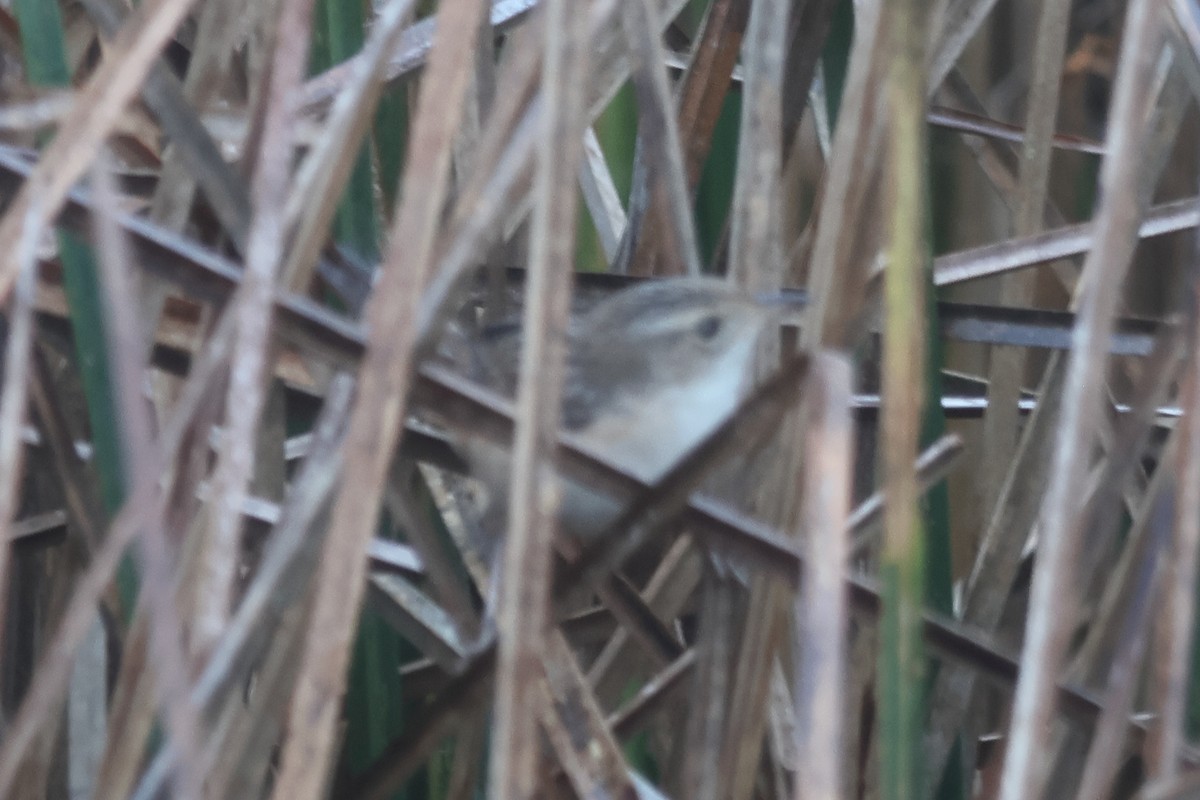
241,563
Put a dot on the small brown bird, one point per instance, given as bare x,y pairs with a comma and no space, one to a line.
651,371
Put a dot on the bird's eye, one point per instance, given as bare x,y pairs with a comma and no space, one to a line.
709,327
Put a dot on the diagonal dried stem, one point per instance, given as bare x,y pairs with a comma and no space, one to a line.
165,645
575,725
836,281
281,581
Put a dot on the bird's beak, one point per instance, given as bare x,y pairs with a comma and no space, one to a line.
788,299
786,306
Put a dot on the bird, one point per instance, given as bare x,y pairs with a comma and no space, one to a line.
651,371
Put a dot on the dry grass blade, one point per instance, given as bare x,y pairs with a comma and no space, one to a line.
422,621
665,594
1132,632
951,119
701,95
1053,602
836,280
959,24
932,466
286,567
193,148
216,35
627,719
409,55
768,644
575,725
600,194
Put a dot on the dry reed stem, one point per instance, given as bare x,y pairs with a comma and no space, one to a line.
165,644
834,281
378,415
575,724
220,545
1131,627
1006,369
282,578
755,247
1173,634
18,348
312,204
1053,601
658,135
701,95
601,197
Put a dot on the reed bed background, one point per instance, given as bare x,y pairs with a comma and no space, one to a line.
236,563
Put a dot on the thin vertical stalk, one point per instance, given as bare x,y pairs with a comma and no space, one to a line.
659,132
1007,366
254,315
902,569
523,604
13,392
754,244
958,25
1172,664
836,280
821,612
